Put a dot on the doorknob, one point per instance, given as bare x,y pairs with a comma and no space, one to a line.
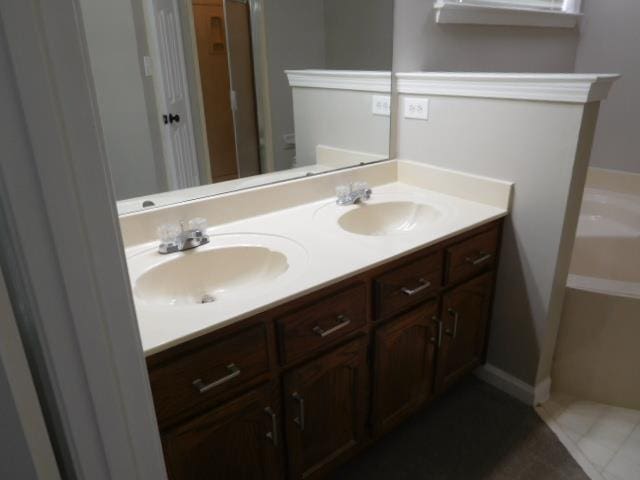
171,118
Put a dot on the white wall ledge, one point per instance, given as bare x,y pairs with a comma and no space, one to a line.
564,88
360,80
448,12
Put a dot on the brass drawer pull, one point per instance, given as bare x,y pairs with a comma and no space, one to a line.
273,434
299,420
204,388
414,291
344,321
480,259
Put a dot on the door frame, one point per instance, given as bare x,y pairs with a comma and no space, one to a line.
68,276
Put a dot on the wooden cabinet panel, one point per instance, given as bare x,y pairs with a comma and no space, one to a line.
429,336
326,408
404,367
221,366
407,285
472,256
322,323
237,441
465,315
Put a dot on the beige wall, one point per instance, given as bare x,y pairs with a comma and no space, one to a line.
610,41
337,118
359,34
421,44
537,145
114,33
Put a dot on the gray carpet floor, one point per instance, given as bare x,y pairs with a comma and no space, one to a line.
474,432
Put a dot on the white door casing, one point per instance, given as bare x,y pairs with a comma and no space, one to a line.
170,81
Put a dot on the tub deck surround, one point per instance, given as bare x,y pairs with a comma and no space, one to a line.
297,211
597,349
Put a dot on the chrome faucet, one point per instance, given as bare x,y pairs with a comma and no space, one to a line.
354,192
174,238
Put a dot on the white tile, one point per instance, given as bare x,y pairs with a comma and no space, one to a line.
624,468
553,408
596,453
610,431
579,417
623,415
630,449
610,476
574,436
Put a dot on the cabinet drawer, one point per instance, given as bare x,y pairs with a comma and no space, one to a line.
407,285
471,256
323,322
206,373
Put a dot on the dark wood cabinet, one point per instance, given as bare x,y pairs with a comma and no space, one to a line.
408,285
326,409
240,440
465,314
305,385
404,366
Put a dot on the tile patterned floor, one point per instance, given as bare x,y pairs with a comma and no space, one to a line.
609,437
474,432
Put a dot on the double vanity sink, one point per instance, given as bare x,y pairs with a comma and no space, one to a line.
255,263
302,330
236,266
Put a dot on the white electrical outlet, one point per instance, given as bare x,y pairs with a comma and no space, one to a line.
381,105
417,108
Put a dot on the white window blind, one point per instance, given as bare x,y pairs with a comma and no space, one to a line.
568,6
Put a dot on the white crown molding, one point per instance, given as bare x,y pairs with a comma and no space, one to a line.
365,81
448,12
565,88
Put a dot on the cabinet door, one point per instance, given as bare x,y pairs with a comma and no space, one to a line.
405,352
465,316
326,408
239,440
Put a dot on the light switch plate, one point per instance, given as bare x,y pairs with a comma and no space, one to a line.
381,105
417,108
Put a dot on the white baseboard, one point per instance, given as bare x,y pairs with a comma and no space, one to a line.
542,391
514,386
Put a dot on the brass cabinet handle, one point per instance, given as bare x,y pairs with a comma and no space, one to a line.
456,317
204,388
480,259
299,420
344,321
273,434
414,291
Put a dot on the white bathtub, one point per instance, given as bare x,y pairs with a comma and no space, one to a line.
598,349
606,255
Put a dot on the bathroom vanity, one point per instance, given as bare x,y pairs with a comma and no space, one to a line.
298,388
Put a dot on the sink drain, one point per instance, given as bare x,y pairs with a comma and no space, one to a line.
207,299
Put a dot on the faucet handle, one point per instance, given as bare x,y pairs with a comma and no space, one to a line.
343,191
168,232
360,186
200,224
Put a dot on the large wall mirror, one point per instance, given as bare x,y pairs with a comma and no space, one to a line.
200,97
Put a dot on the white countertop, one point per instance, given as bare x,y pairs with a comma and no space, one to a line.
324,254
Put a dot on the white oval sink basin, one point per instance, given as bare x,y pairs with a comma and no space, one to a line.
215,272
388,218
